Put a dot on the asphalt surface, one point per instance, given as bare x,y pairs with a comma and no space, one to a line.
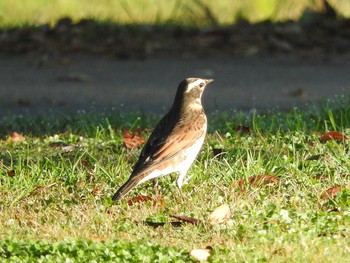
35,83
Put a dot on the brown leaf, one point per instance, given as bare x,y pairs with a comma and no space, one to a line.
86,164
333,135
11,173
331,192
209,247
200,254
159,202
241,130
132,140
16,137
321,177
97,189
187,219
262,179
138,199
220,214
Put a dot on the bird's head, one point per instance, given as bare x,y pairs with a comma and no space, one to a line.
190,90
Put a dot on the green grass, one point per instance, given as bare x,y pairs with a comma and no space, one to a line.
55,198
193,13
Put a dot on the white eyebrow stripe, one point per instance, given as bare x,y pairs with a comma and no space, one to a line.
194,84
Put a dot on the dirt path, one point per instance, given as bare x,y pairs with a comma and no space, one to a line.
31,83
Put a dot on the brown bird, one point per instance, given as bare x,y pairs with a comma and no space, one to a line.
175,141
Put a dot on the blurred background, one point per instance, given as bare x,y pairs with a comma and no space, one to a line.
180,12
131,54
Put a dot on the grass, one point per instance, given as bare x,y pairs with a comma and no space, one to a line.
193,13
56,188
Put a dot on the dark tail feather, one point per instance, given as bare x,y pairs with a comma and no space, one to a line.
124,189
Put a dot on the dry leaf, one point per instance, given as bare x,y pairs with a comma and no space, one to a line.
332,135
16,137
220,214
97,189
331,192
138,199
187,219
132,140
86,164
11,173
241,130
262,179
159,202
200,254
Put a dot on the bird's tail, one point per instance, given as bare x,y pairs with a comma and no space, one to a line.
124,189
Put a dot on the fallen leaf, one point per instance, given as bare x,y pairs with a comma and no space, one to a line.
86,164
314,157
16,137
97,189
241,130
220,214
331,192
159,202
138,199
187,219
209,247
200,254
332,135
262,179
321,177
11,173
132,140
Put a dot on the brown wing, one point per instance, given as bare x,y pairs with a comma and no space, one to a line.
160,149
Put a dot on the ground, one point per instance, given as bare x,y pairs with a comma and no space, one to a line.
88,65
79,82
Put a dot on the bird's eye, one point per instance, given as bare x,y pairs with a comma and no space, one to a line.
201,85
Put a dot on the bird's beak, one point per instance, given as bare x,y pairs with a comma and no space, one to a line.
209,80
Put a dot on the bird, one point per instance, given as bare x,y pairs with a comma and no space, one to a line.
176,140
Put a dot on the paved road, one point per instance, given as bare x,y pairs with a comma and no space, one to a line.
32,83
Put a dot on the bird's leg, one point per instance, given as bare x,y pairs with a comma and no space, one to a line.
187,179
180,181
155,186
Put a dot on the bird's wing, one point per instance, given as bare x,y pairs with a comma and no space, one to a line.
164,146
